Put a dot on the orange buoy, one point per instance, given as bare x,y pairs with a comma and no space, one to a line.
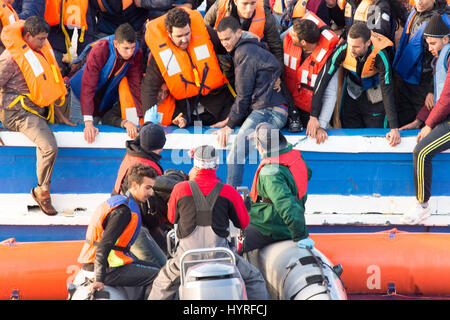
404,262
37,270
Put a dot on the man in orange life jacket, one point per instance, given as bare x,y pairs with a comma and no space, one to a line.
307,47
183,56
111,232
107,85
7,16
278,192
30,84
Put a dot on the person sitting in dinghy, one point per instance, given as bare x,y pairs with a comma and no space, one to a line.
202,209
278,192
111,232
146,149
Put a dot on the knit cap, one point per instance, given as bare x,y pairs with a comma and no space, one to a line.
436,27
269,137
152,137
205,157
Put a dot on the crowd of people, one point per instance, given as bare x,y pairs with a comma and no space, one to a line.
255,65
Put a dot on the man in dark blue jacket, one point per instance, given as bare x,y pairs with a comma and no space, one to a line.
259,98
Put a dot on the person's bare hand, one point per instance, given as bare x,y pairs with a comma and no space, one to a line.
393,137
220,124
321,135
90,132
222,136
97,286
277,85
312,126
423,133
132,129
180,121
429,101
412,125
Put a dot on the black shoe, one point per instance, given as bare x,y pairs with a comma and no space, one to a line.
295,125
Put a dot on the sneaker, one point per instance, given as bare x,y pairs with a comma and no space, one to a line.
416,215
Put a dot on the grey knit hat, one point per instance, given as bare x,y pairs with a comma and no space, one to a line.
436,27
269,137
206,157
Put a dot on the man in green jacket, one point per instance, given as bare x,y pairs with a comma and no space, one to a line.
278,193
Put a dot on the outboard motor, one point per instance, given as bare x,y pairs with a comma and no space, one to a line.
210,274
80,289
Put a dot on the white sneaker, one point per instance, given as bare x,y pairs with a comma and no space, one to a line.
416,214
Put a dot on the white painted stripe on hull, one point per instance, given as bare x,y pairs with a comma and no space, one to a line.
320,210
184,140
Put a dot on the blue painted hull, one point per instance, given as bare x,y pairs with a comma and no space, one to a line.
342,170
94,170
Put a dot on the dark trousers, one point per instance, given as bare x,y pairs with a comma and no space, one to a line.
255,239
361,113
410,98
132,275
438,140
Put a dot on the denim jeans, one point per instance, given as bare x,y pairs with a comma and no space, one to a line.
146,249
75,109
240,150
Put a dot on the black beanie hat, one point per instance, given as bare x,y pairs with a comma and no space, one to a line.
436,27
152,137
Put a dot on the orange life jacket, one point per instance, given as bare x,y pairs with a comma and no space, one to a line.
40,70
167,108
72,13
291,159
7,14
300,79
412,3
379,43
186,72
361,11
298,11
258,21
127,105
120,254
129,161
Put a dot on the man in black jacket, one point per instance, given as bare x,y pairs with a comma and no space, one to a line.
112,230
369,96
258,99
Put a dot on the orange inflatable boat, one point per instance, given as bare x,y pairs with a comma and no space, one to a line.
373,263
37,270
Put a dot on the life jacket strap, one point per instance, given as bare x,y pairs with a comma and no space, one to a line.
117,248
